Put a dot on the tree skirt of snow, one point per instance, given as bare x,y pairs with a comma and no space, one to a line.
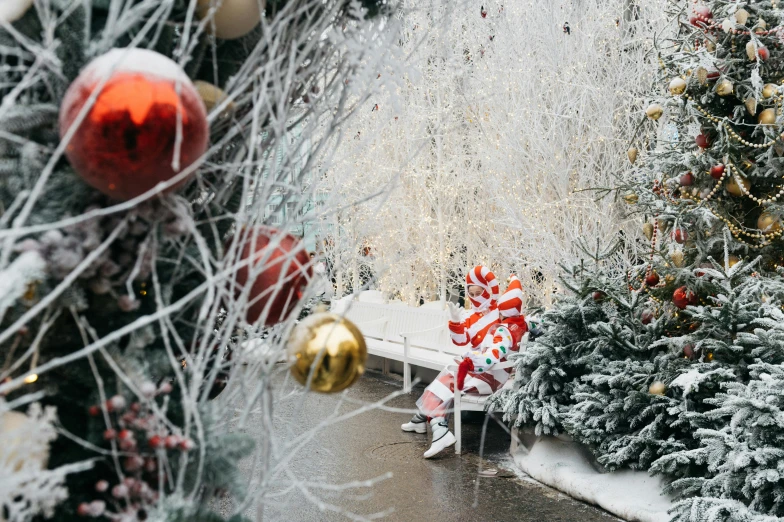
567,466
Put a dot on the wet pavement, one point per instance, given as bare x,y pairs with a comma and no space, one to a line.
371,447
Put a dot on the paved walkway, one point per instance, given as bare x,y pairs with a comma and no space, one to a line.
371,445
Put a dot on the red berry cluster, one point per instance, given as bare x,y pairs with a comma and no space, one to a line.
140,440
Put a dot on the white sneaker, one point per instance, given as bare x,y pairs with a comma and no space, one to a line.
442,437
417,424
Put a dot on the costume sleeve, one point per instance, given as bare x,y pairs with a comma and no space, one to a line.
459,332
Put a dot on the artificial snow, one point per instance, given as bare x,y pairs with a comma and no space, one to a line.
25,270
135,60
567,466
688,381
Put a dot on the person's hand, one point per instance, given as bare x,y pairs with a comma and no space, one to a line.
455,315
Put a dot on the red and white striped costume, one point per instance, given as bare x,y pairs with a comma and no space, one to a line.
439,395
484,309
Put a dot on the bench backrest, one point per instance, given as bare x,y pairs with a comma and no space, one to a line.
388,321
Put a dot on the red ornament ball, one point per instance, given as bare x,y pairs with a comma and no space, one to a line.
763,53
702,141
687,179
647,317
139,131
717,171
682,297
688,351
680,235
652,279
276,266
599,296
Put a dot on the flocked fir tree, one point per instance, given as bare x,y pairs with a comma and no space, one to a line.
135,143
670,361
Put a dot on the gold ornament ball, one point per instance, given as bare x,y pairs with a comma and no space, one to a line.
732,260
233,18
724,88
657,388
632,154
631,198
767,117
735,190
647,229
768,223
677,258
14,450
741,15
332,348
677,86
13,10
751,51
654,111
212,97
768,90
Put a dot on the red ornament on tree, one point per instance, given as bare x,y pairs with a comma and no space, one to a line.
717,171
688,351
680,235
140,130
687,179
276,266
652,279
647,317
700,15
599,296
702,141
682,297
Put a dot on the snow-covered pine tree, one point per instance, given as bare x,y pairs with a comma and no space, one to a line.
139,149
671,381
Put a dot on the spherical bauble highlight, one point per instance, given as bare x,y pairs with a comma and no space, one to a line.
233,18
140,131
768,223
677,86
767,117
657,388
276,267
734,189
654,111
328,349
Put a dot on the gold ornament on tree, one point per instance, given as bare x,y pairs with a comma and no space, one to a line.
654,111
647,229
632,154
732,260
724,88
677,258
741,15
751,105
631,198
677,86
212,97
734,189
328,349
767,117
657,388
769,90
232,18
768,223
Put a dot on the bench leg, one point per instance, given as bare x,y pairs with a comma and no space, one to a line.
406,377
515,442
458,424
385,366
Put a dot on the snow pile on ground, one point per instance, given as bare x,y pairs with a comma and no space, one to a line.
567,466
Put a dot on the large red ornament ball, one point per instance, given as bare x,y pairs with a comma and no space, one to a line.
702,141
652,279
717,171
277,267
140,130
680,235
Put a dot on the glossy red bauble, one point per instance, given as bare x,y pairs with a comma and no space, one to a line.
652,279
763,53
680,235
647,317
702,141
688,351
687,179
146,125
276,267
599,296
681,297
717,171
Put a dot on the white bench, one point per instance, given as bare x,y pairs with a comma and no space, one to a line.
413,336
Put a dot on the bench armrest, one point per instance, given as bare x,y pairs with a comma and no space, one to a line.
500,366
